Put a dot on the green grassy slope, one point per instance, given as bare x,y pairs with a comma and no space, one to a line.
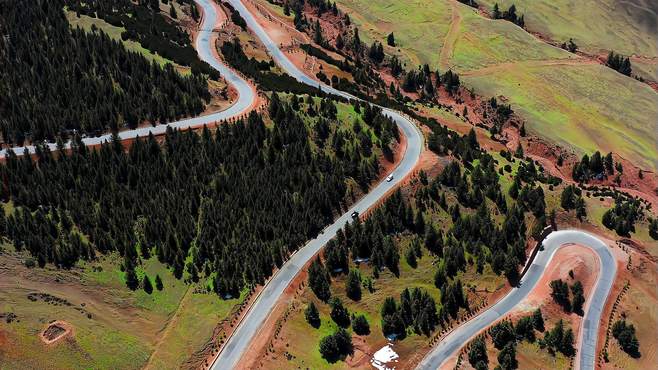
628,27
563,97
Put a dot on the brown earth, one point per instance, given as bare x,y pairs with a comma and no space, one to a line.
56,331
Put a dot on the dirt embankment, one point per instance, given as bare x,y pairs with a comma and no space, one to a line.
56,331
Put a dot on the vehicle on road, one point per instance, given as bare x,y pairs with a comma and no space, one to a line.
389,178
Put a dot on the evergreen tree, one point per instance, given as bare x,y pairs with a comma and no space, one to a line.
410,257
339,313
560,294
336,345
353,285
158,283
538,320
578,298
502,334
525,329
318,280
478,352
360,325
507,357
625,335
390,39
312,315
146,284
131,278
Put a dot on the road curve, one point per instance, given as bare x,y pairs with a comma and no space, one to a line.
246,94
248,328
586,348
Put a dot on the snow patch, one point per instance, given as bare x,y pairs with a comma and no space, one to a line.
382,357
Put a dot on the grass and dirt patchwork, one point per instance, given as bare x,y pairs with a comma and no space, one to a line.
588,107
107,318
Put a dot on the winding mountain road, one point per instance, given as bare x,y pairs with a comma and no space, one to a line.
586,346
238,343
248,328
204,45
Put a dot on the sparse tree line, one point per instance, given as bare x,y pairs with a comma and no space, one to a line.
619,63
261,72
627,210
206,205
595,167
508,15
88,82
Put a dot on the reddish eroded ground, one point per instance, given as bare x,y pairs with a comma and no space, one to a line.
547,155
259,347
585,265
282,32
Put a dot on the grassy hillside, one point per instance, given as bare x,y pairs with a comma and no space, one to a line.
563,97
107,317
628,27
587,107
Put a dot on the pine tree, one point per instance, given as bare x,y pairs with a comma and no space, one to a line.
390,39
360,325
318,38
496,12
3,222
560,294
507,357
538,320
312,315
172,11
353,285
339,313
478,352
158,283
146,284
318,280
410,257
578,298
131,278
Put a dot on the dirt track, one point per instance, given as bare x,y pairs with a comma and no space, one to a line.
451,37
529,63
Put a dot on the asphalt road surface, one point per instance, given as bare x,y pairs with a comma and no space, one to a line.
259,311
245,98
586,346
